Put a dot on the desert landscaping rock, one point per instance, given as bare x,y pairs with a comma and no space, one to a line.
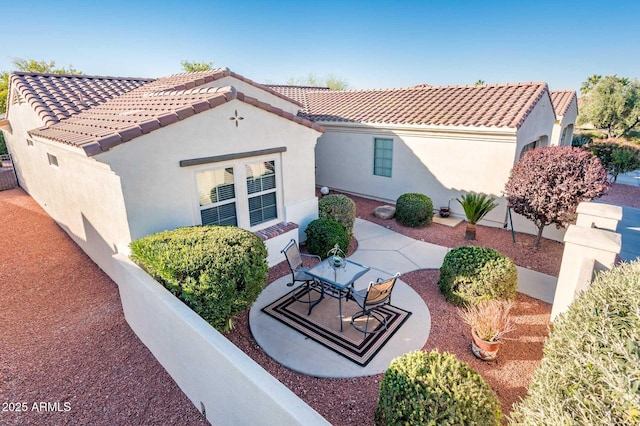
385,212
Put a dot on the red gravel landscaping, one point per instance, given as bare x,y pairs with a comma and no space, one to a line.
64,338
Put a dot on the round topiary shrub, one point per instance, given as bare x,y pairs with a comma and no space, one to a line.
471,274
218,271
414,210
323,234
590,372
435,389
340,208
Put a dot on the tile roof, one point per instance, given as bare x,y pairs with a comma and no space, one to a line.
497,105
561,100
56,97
147,108
297,93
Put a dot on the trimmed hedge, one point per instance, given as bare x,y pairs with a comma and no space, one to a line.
414,210
323,234
435,389
590,372
218,271
471,274
340,208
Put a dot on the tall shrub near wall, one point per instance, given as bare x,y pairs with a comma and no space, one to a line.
590,372
340,208
218,271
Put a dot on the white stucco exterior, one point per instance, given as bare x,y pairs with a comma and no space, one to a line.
442,162
138,188
564,125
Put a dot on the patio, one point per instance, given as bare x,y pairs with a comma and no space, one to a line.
386,252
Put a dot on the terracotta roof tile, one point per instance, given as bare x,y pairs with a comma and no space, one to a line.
297,93
156,104
56,97
561,100
498,105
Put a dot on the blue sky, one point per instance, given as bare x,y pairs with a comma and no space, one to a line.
370,44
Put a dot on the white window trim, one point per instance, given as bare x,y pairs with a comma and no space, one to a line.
242,195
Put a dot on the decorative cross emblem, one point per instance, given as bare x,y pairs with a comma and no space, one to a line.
236,118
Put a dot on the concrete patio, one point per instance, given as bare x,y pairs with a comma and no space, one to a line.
386,252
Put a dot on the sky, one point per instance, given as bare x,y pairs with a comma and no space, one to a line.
370,44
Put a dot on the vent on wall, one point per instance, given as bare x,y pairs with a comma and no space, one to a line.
29,142
53,160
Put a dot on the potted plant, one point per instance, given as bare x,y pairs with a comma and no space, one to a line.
475,206
446,211
489,321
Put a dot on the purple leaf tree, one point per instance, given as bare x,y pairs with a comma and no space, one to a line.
548,183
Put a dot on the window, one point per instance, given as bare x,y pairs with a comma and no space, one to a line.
242,193
217,196
382,157
261,188
53,160
567,135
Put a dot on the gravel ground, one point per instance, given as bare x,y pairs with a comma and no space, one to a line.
64,338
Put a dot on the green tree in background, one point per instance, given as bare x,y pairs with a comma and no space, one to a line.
29,65
588,85
612,104
479,83
193,66
331,81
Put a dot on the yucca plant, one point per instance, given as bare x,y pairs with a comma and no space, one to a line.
476,206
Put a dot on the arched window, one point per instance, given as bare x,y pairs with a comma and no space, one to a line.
567,135
542,141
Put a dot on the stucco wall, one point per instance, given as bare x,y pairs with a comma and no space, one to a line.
569,119
538,125
81,194
161,195
440,164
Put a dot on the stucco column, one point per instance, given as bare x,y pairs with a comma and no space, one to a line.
598,215
585,250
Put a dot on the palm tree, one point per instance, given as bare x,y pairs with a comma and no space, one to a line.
476,206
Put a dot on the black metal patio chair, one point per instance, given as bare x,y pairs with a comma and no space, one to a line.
295,259
370,300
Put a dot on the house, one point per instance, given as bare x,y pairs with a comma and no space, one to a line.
565,104
115,159
438,140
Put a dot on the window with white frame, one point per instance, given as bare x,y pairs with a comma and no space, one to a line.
243,193
217,197
261,189
382,157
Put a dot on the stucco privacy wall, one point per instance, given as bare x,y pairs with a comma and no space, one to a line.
161,195
255,92
82,195
210,370
441,164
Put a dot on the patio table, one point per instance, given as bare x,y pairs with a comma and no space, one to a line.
336,282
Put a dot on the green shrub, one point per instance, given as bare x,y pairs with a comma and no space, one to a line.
590,372
323,234
435,389
218,271
340,208
414,210
471,274
580,140
616,158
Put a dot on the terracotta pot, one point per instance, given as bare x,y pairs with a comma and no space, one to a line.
444,212
486,351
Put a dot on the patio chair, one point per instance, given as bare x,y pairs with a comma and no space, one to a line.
370,300
296,265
